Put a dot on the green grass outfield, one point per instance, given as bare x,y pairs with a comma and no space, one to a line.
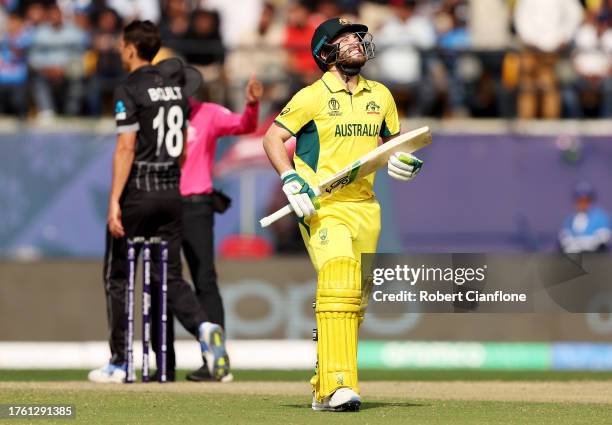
281,397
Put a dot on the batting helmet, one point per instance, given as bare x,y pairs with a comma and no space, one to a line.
329,30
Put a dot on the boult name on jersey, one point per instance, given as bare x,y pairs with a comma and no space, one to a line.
164,94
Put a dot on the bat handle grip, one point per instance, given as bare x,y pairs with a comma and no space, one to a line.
266,221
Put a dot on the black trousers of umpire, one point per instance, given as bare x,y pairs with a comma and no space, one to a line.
198,247
149,214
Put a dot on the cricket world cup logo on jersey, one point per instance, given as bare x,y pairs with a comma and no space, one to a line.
334,108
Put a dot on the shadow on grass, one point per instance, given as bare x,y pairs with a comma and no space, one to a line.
366,405
378,404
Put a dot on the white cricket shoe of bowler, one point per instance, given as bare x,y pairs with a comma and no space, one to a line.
109,374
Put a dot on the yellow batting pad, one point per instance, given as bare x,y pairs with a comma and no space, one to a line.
365,296
338,305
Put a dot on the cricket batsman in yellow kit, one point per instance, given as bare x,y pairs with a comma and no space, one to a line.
337,120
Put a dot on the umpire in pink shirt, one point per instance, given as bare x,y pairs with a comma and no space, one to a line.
207,123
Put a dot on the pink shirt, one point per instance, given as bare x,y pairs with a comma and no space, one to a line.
208,122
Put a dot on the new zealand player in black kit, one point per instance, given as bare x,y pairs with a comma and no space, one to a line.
151,112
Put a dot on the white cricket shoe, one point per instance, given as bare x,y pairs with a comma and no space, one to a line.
109,374
342,400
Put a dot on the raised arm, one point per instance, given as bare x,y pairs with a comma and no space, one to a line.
232,124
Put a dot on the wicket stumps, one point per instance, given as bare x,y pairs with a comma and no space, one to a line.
133,246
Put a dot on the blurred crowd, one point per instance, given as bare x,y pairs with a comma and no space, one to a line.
441,58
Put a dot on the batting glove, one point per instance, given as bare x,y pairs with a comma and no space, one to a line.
403,166
300,195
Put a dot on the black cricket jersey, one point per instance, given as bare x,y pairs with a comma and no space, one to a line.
157,110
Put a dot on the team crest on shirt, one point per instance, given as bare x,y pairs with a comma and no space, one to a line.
120,111
372,108
334,107
323,236
339,379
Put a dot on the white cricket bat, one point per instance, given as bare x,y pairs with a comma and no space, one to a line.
367,164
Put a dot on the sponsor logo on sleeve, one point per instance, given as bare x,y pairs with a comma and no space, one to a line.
120,111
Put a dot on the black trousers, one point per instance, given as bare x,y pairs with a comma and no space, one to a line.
149,214
198,247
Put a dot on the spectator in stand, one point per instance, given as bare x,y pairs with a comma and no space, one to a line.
301,24
56,59
590,93
401,64
454,40
545,27
258,52
81,19
108,69
592,6
489,28
374,13
327,9
13,67
9,6
130,10
452,19
489,22
175,24
236,17
35,14
204,39
204,49
588,229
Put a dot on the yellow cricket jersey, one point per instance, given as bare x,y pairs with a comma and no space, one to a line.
334,127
